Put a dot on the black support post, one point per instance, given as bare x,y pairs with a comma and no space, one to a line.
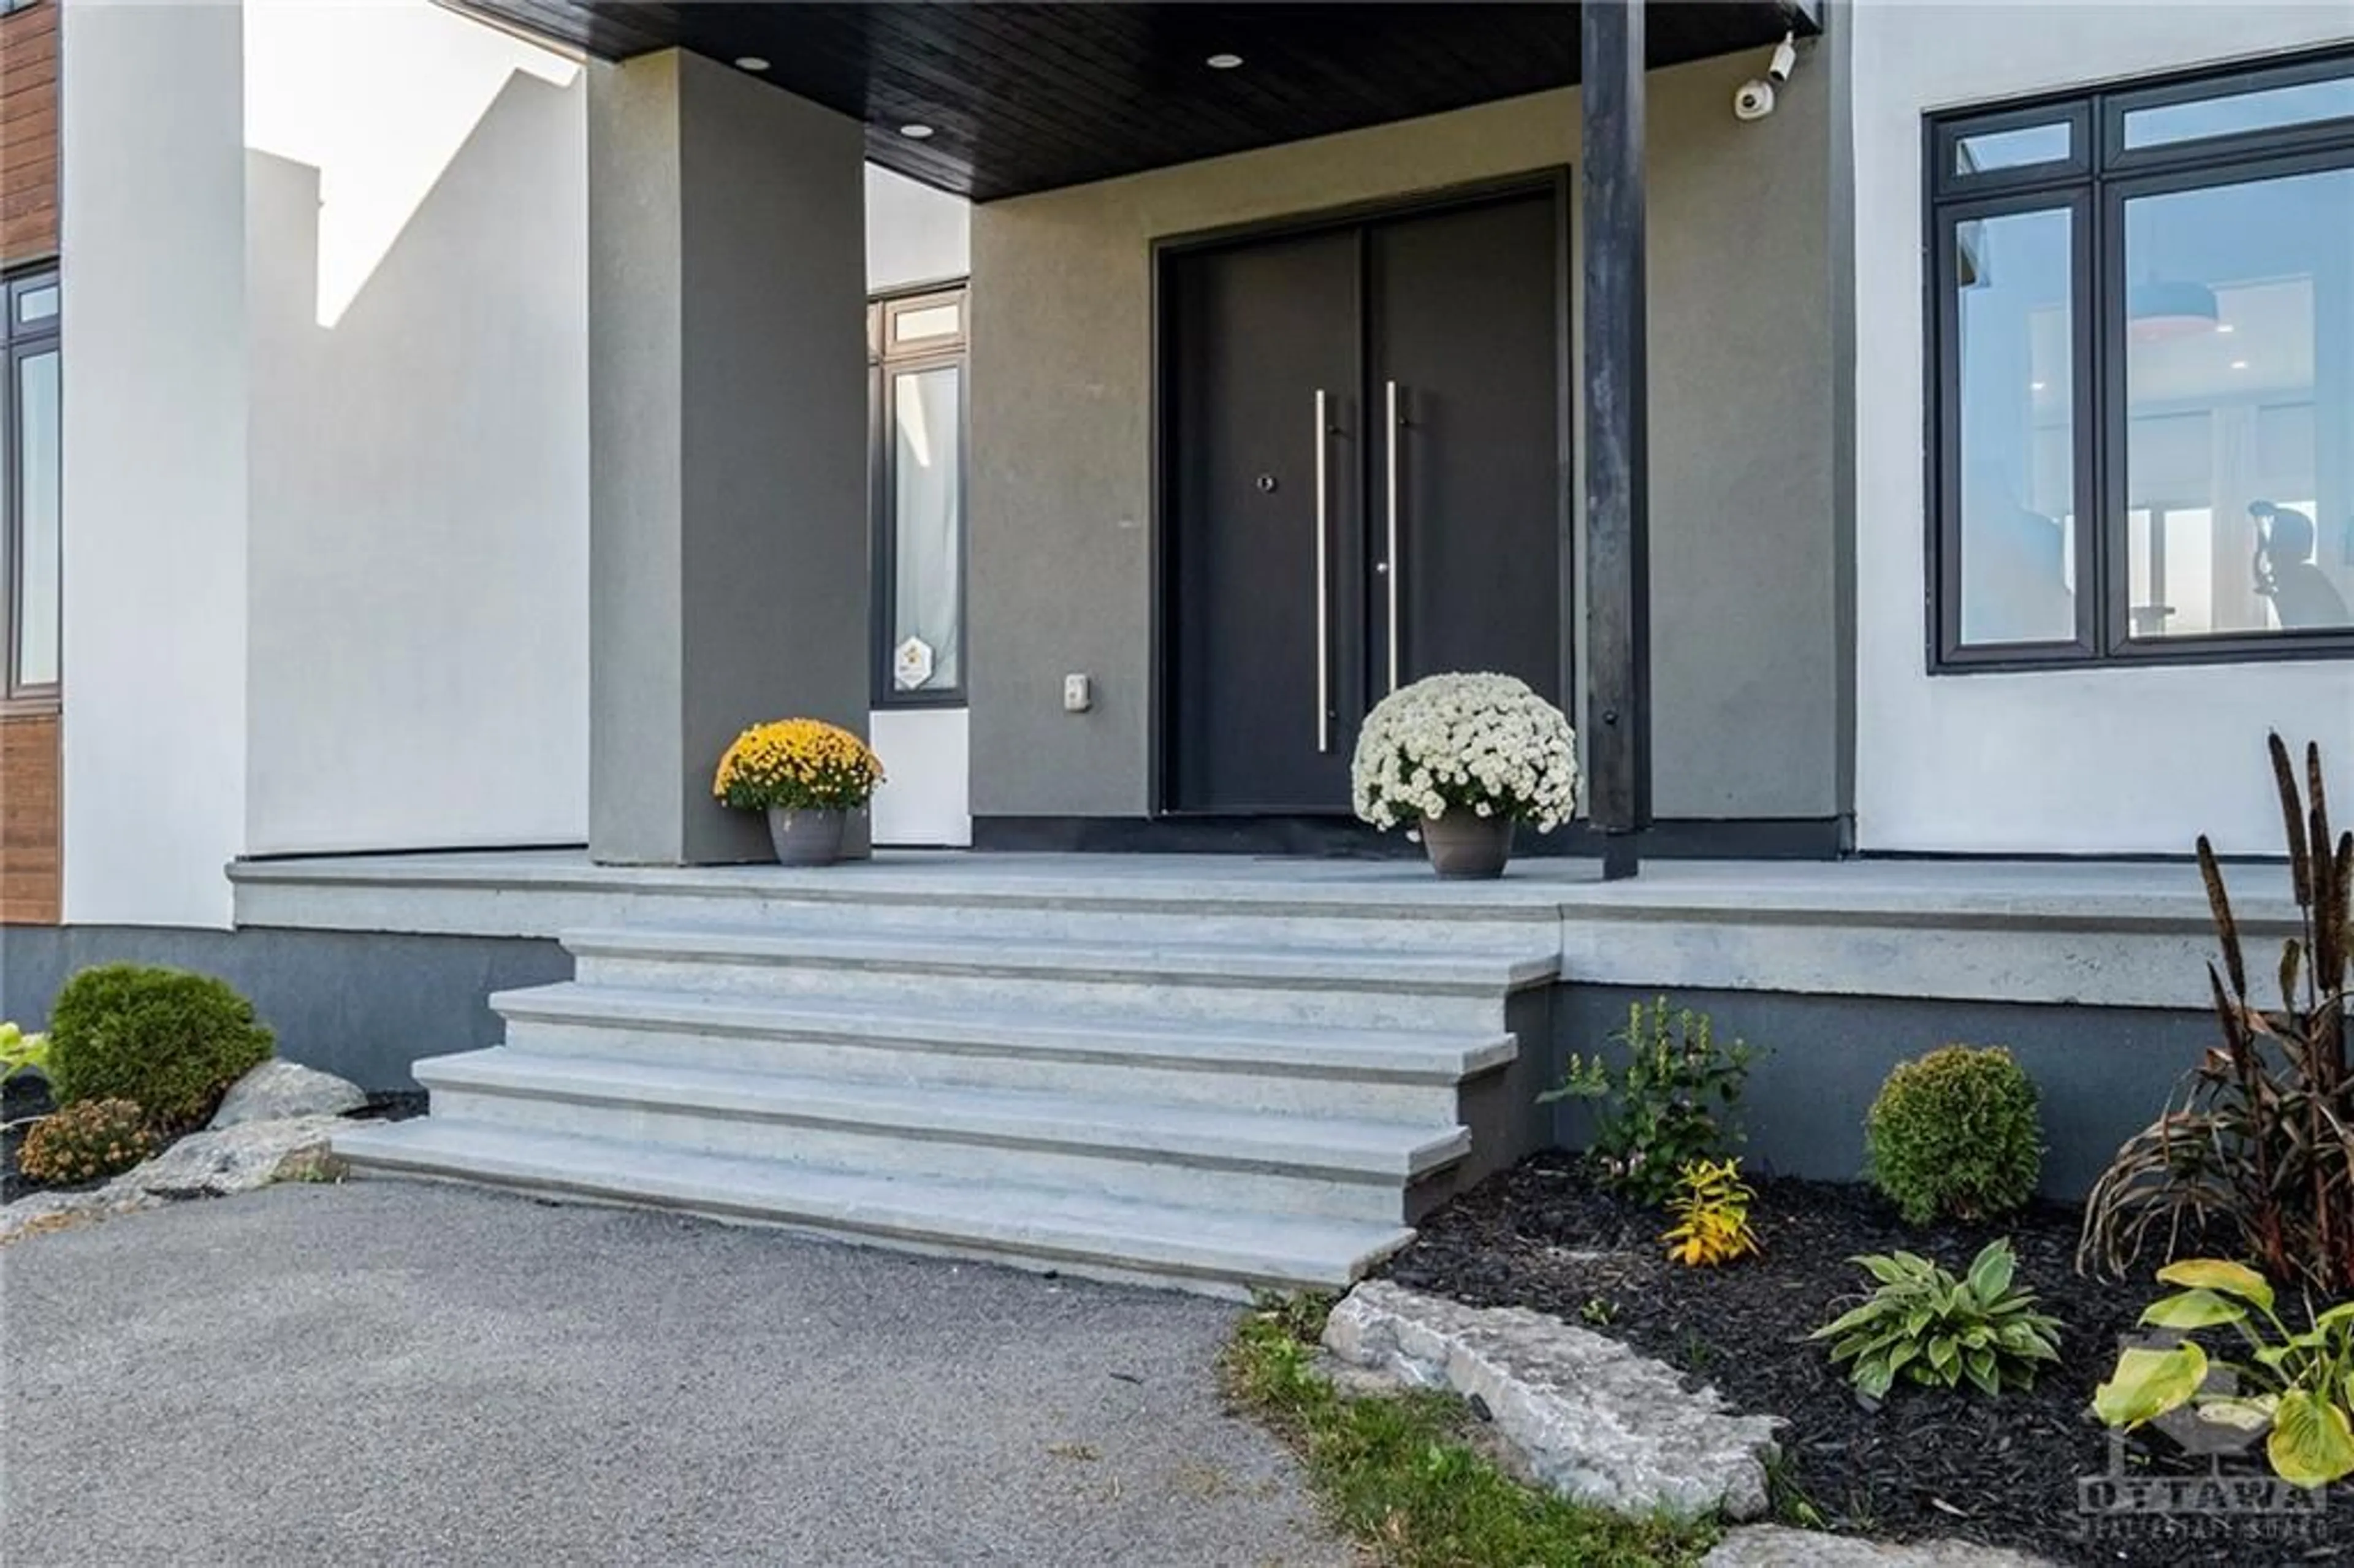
1618,514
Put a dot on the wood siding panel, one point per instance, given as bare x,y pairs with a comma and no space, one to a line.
29,134
31,862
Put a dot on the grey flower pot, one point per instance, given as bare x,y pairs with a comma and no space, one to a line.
806,838
1466,845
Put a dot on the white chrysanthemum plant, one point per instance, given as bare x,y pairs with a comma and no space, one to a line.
1480,743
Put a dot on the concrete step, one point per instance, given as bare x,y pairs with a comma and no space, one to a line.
1294,983
1262,1162
1369,1074
1209,1249
1392,904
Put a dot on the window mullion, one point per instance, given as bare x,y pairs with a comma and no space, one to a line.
2101,370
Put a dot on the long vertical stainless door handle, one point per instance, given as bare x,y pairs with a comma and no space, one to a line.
1394,567
1323,607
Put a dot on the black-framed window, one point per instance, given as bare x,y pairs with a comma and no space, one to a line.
916,347
2142,348
31,515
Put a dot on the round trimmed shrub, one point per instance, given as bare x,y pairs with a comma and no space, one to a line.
88,1139
1955,1134
168,1040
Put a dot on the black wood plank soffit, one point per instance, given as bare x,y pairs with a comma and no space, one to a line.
1022,98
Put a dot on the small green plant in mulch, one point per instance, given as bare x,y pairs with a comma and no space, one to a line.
1400,1473
1668,1095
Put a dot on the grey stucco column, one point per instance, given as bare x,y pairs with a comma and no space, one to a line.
728,441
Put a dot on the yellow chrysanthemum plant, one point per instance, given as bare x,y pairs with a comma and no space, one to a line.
797,765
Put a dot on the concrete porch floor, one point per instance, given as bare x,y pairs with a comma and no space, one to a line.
2097,933
1928,885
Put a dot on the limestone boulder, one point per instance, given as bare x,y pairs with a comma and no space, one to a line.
222,1160
1591,1418
1778,1546
278,1090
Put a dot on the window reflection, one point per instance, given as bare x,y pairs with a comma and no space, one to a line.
2265,109
2240,427
2028,145
2018,438
927,483
37,516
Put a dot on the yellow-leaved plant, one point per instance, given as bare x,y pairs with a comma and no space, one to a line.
797,765
2300,1385
22,1053
1712,1208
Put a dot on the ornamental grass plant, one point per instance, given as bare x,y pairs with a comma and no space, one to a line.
2257,1151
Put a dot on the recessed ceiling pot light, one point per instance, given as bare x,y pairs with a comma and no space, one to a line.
915,130
750,62
1223,62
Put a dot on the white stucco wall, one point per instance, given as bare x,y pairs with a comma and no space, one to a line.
154,448
2108,760
326,543
416,220
917,235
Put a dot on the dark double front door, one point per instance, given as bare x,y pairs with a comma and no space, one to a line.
1364,456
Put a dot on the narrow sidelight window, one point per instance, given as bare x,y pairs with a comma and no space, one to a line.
928,527
31,514
2143,431
917,461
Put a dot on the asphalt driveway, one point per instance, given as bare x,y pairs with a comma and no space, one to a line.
389,1371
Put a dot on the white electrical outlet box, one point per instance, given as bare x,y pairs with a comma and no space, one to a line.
1078,693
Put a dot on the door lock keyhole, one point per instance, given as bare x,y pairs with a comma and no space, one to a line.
1266,484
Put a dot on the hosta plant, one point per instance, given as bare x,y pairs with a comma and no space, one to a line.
1671,1096
1484,744
22,1053
1712,1210
2258,1146
1925,1326
86,1141
2300,1385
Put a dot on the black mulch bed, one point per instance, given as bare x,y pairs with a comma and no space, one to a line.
1924,1464
392,1105
26,1096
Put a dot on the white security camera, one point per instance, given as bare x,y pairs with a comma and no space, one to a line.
1754,99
